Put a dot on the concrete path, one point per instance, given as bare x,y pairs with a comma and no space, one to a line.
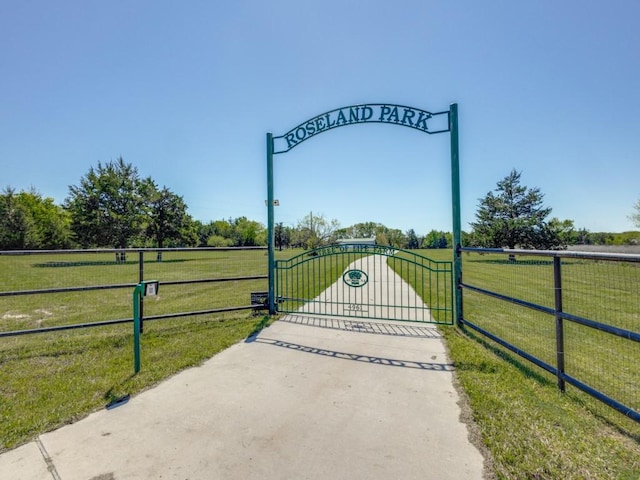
383,294
309,397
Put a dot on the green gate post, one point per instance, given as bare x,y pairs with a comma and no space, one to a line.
137,297
270,225
455,199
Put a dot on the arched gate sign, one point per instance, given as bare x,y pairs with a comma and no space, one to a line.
411,117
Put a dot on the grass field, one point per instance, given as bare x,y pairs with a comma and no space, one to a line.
29,272
531,429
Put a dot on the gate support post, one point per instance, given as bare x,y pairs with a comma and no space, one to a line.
455,211
270,225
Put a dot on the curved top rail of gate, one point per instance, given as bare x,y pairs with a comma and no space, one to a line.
411,117
354,251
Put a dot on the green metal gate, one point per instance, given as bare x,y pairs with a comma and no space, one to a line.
366,281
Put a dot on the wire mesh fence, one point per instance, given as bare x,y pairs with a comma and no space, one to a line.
577,315
44,290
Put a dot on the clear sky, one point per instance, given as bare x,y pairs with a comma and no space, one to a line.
186,92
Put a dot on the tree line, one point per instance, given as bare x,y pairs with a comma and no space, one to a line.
112,206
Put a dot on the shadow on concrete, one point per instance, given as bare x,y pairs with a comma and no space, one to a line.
410,329
390,362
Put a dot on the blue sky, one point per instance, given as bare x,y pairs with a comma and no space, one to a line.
186,91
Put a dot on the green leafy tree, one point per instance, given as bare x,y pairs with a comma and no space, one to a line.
238,232
467,239
436,239
224,228
583,237
218,241
601,238
107,208
168,223
513,217
360,230
395,237
30,221
51,223
412,239
561,233
248,233
203,232
16,225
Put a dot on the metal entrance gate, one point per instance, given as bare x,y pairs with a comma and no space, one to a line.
401,115
366,281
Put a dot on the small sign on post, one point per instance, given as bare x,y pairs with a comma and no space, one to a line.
150,289
143,289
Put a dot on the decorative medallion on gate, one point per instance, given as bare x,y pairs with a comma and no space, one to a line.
355,278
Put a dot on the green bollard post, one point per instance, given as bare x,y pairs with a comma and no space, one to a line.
143,289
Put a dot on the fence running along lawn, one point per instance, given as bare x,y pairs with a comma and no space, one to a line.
42,291
574,314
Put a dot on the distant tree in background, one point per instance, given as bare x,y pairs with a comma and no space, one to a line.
467,239
282,236
16,227
515,217
167,223
561,233
218,241
238,232
583,237
635,216
315,230
436,239
383,235
360,230
30,221
394,238
412,239
223,229
107,208
248,233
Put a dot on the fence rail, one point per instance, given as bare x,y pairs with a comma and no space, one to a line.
574,314
49,282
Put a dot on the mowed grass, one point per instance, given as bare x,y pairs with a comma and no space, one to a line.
532,429
50,379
